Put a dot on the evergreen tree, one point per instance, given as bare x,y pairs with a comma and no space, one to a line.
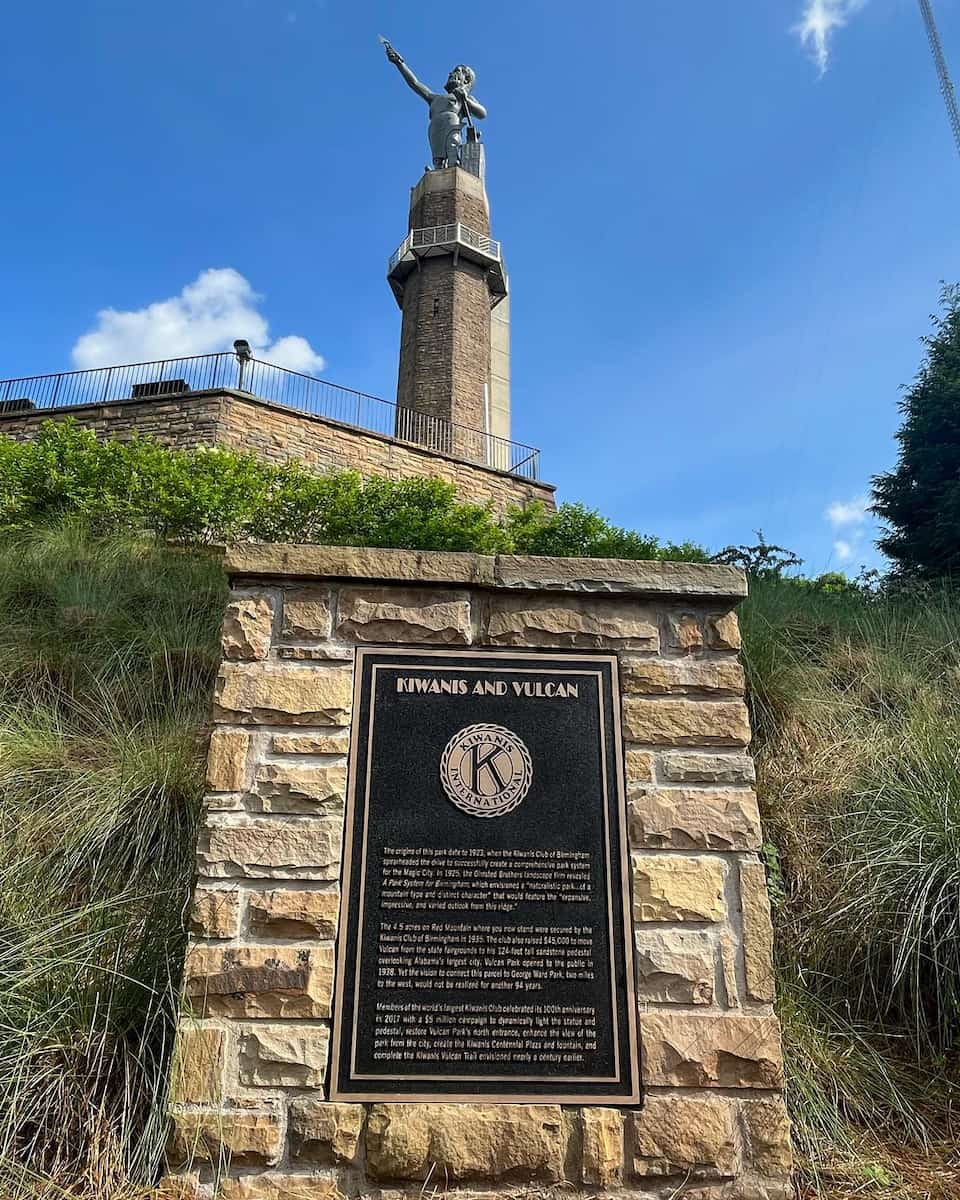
920,499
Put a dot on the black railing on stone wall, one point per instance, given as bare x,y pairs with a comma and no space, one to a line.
177,376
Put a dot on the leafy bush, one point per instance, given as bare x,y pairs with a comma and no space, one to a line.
215,495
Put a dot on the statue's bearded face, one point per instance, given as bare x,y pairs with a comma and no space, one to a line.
460,79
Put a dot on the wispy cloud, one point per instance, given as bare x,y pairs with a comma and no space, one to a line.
218,306
850,521
843,513
819,21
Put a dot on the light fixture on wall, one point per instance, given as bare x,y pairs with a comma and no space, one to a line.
241,347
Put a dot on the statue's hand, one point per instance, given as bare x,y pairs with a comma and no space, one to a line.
394,56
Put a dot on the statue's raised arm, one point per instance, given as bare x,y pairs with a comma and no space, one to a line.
450,109
413,82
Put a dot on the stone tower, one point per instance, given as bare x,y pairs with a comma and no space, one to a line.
449,280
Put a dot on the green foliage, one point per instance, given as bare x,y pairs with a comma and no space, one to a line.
581,532
211,496
920,499
761,561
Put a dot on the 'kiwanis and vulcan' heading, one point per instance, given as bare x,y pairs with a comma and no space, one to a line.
546,689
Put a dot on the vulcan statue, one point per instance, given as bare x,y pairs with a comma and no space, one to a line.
450,110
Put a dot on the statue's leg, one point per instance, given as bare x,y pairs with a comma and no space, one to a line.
438,145
453,148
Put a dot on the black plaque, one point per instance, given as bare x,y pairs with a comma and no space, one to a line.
485,944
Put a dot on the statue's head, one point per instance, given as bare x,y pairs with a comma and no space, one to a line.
461,78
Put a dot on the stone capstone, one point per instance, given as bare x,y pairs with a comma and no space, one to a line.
601,1133
696,1050
694,819
293,561
675,966
294,914
283,787
686,722
227,760
535,573
757,932
285,695
248,627
297,848
245,1138
284,1055
685,1135
325,1132
570,623
677,888
259,981
466,1141
388,615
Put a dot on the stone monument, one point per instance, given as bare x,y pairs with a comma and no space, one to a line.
480,904
450,281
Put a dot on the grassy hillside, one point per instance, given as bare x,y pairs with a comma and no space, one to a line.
108,650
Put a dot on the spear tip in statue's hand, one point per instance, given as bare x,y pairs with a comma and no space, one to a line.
392,54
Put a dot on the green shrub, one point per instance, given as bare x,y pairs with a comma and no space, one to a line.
211,496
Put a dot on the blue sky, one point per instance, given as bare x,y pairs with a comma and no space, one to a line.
721,255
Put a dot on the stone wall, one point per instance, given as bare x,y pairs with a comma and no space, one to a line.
277,434
250,1117
178,421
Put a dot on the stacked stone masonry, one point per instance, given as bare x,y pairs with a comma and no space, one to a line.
277,434
250,1118
445,332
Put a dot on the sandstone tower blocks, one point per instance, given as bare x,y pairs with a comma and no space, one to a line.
449,280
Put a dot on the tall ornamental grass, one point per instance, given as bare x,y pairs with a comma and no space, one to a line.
107,660
856,707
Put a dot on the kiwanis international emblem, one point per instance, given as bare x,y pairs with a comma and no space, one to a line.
486,770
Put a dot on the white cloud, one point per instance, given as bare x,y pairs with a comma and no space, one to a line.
818,23
843,550
218,306
843,513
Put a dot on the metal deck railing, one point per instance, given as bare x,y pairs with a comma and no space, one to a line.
446,235
173,377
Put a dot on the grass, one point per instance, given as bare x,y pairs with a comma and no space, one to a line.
856,706
107,658
108,650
